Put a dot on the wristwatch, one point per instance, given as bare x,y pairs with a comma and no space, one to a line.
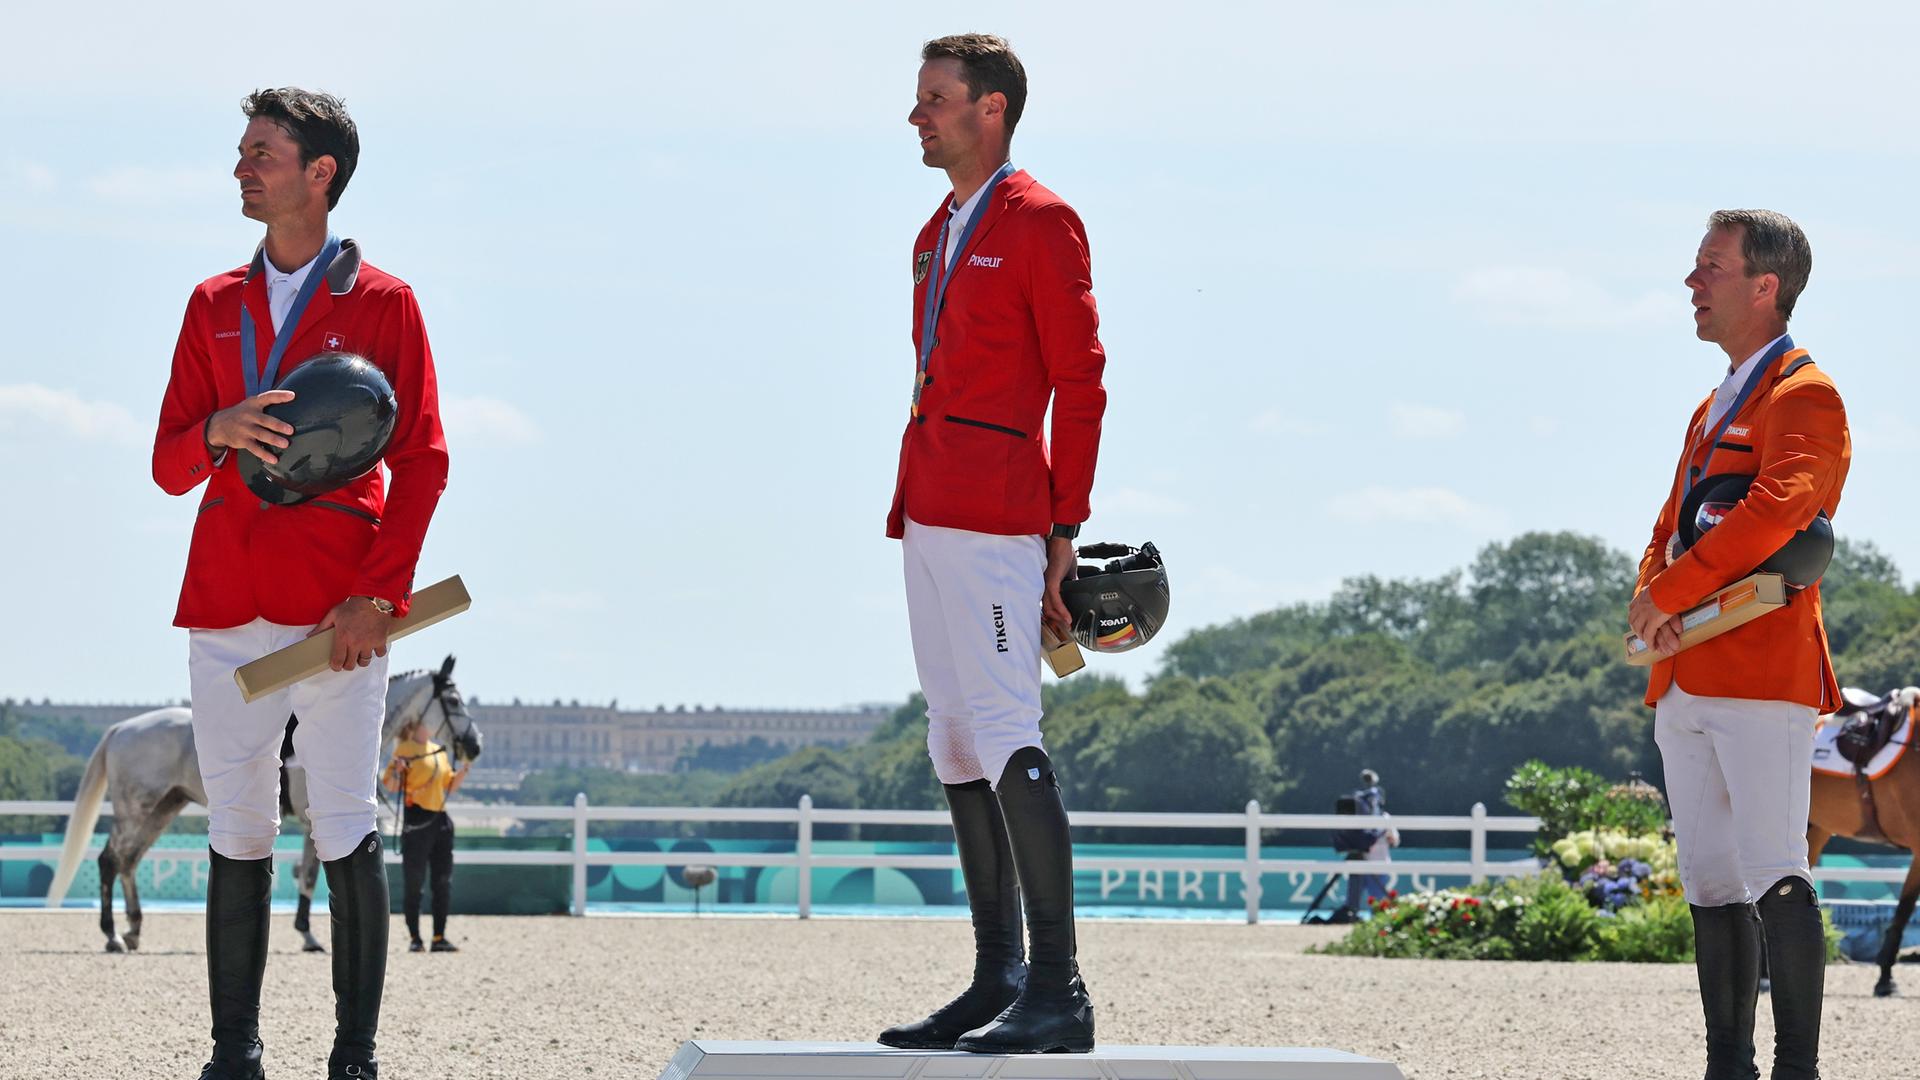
1064,532
384,607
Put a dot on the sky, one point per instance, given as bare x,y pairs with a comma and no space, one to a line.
1379,285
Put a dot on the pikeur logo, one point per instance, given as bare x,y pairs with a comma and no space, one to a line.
999,628
991,262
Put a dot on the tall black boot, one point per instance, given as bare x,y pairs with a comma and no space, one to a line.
1053,1013
239,895
357,903
993,896
1726,955
1797,960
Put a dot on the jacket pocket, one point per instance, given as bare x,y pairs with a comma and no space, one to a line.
210,504
1001,428
354,510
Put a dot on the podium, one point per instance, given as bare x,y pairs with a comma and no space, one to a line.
704,1059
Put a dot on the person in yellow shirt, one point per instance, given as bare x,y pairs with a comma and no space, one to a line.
422,770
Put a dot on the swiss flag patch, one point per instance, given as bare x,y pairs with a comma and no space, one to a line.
335,342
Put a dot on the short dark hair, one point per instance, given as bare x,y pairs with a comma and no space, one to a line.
318,122
988,65
1772,244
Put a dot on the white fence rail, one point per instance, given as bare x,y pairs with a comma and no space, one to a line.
1477,824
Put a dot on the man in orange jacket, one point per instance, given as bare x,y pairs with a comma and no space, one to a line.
1734,715
1004,326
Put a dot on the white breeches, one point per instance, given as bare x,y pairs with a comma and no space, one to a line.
1738,778
973,605
337,742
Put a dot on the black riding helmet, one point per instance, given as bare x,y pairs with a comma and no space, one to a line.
1120,605
342,412
1800,560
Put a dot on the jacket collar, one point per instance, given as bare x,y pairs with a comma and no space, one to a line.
1775,372
340,279
1009,191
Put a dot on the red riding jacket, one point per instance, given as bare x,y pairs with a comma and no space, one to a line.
1019,328
291,564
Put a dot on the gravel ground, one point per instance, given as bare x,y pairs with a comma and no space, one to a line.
614,997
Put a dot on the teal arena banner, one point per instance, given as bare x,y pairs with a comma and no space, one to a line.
1194,883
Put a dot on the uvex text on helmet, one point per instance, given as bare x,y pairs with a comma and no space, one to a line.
1121,605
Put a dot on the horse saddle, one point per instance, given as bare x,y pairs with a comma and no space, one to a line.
1868,723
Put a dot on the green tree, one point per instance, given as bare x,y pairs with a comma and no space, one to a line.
825,774
1185,746
1544,587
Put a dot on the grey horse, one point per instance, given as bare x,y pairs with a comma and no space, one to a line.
148,767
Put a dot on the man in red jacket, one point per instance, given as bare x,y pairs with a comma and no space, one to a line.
1004,323
261,577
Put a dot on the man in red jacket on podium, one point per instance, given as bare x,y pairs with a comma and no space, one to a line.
1004,322
262,576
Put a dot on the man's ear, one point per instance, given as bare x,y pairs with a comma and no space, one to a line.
322,169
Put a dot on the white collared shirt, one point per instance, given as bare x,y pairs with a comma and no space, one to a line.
1737,378
961,213
283,287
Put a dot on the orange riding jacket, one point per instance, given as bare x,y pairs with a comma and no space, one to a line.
1792,436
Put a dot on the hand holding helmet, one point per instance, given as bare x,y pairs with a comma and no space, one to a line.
337,412
248,426
1120,605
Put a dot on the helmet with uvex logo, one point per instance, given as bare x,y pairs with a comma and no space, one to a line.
342,412
1120,605
1801,560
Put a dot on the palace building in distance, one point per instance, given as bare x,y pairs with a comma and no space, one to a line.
521,738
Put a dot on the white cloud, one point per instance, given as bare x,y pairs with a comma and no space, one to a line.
137,185
1425,421
1139,501
487,422
1551,297
30,405
1281,422
31,175
1410,506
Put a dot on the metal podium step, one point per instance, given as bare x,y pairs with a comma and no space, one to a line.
715,1060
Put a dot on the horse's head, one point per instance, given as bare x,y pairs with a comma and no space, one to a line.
432,698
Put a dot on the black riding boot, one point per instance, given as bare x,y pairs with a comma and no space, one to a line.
1053,1012
993,896
358,906
1726,955
1797,960
239,892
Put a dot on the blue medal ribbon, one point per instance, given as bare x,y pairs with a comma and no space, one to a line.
937,289
258,382
1760,372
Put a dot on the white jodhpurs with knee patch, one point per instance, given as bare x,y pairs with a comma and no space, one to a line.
1738,780
973,606
337,742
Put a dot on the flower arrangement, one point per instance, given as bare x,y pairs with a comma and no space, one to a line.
1612,866
1610,891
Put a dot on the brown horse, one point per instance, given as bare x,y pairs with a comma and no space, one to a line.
1883,811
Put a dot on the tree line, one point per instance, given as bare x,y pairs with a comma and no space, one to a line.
1443,685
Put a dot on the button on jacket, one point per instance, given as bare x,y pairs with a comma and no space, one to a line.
291,564
1018,329
1792,436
